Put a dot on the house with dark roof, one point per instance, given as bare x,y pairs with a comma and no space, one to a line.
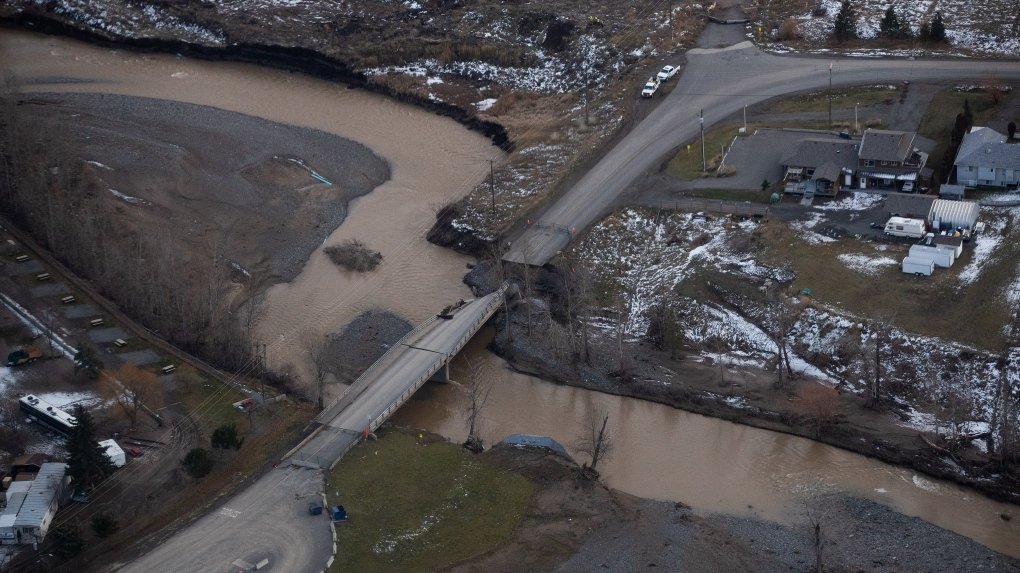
888,159
985,159
819,165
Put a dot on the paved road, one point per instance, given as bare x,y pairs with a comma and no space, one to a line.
391,380
720,82
268,520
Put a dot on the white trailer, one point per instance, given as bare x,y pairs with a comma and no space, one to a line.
904,227
919,266
942,257
114,452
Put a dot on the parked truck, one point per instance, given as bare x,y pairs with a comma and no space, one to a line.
23,356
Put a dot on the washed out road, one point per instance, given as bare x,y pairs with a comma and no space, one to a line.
721,82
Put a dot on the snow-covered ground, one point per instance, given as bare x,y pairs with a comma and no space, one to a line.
978,26
646,255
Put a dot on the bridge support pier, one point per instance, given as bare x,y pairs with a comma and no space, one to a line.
443,374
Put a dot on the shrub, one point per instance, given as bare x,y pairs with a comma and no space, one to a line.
104,525
198,462
67,540
790,30
226,437
353,255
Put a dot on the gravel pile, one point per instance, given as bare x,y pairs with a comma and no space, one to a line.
366,338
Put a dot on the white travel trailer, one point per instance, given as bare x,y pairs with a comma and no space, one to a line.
919,266
904,227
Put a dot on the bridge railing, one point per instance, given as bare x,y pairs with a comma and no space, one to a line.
490,307
360,382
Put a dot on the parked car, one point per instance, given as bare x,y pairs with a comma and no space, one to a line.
665,73
650,87
908,187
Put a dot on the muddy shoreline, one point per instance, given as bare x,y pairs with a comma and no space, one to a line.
286,58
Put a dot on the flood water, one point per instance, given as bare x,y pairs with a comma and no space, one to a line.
712,465
433,161
660,452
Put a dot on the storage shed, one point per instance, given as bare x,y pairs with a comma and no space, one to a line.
114,452
952,192
949,215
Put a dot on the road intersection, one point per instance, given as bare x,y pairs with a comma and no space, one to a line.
719,82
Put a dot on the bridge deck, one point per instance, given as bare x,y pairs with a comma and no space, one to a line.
391,380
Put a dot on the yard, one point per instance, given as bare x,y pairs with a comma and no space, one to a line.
416,503
938,120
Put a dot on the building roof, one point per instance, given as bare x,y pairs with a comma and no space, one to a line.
40,497
817,151
952,191
958,213
985,147
828,171
886,145
909,205
947,240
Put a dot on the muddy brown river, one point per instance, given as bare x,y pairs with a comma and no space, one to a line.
660,452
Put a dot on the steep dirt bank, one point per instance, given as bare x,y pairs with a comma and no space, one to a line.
288,58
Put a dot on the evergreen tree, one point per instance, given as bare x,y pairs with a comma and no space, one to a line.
845,25
890,26
85,359
938,28
1011,129
924,31
67,540
87,461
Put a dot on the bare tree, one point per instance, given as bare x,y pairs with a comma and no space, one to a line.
319,353
821,404
477,387
133,388
595,439
783,316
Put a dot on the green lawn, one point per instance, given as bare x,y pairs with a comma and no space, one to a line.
687,164
421,506
842,98
208,400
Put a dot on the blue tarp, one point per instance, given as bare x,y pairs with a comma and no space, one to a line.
338,513
525,440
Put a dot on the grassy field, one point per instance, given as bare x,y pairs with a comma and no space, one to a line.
419,505
842,98
687,165
938,120
208,400
934,306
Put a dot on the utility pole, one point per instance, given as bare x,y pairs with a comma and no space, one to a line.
745,120
857,128
492,189
671,33
704,164
830,95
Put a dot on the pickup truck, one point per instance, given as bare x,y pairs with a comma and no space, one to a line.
650,87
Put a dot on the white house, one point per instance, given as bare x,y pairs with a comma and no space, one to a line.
986,160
